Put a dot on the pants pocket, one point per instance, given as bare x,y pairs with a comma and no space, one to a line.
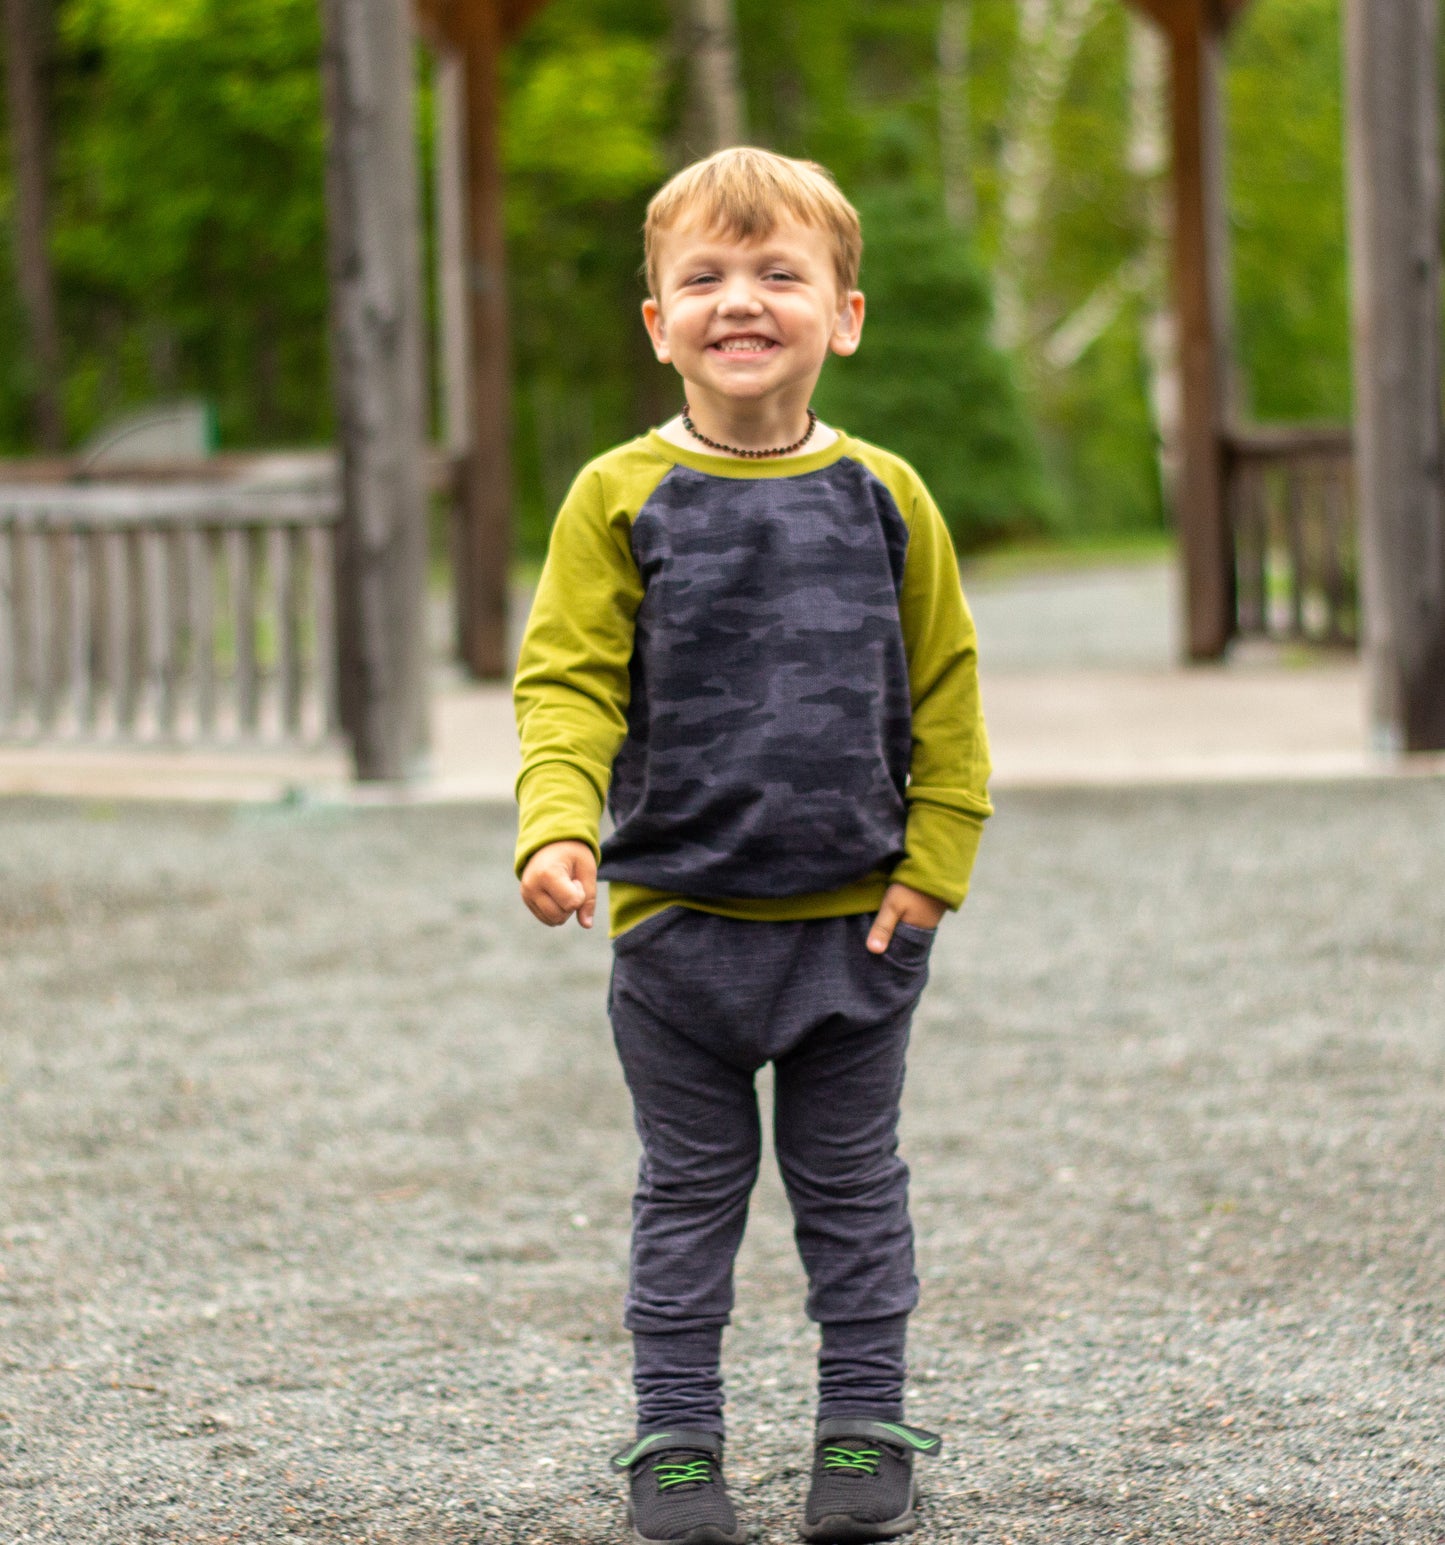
910,945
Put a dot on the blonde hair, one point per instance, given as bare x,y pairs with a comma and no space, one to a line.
742,192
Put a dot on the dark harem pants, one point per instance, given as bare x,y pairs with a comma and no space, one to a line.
698,1004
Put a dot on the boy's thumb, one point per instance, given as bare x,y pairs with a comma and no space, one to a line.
882,930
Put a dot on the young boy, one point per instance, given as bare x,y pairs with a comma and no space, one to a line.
750,640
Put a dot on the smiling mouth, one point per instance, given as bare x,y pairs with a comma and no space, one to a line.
746,345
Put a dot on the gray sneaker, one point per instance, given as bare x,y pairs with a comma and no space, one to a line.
863,1480
676,1491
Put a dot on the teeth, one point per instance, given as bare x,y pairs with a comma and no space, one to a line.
744,345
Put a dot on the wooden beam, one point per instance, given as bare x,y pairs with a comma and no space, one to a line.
453,345
516,14
24,51
373,217
484,548
454,317
1201,301
1177,15
430,18
447,22
1393,132
1164,12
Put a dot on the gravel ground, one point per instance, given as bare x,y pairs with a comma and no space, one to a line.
315,1163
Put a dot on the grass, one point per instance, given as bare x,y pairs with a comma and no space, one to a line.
1069,553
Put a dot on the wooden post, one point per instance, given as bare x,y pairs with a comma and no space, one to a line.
30,155
454,312
1394,192
1201,300
374,242
485,547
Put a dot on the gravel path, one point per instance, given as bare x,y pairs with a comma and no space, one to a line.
314,1170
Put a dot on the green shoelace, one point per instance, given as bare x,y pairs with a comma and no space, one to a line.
682,1472
862,1461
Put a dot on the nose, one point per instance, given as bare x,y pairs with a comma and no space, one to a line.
737,298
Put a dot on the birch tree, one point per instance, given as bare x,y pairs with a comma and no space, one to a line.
1149,162
955,152
715,116
1049,35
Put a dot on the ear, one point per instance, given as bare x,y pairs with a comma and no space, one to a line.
656,330
848,329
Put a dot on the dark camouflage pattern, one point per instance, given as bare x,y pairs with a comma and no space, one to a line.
769,729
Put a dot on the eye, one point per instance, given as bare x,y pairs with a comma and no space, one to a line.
780,273
706,277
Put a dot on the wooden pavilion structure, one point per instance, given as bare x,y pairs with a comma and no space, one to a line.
1224,536
467,37
1393,460
1196,32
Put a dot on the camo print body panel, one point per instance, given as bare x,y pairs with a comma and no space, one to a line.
769,726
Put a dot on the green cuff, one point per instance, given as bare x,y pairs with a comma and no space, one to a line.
941,847
559,803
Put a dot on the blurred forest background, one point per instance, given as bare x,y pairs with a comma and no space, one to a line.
1008,157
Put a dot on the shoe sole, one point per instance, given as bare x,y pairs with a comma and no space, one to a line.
844,1529
704,1534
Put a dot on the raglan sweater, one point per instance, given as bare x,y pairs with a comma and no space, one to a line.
767,673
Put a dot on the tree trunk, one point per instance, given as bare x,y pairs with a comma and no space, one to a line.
955,151
24,52
374,221
1394,194
1050,32
716,117
1148,156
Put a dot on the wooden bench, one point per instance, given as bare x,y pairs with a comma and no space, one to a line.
173,614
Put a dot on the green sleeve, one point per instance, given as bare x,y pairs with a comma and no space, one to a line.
572,685
948,775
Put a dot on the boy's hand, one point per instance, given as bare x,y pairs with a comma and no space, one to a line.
560,879
903,904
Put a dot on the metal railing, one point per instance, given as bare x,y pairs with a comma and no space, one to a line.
1291,506
173,614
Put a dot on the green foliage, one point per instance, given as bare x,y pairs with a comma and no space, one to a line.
1100,440
928,384
583,146
189,234
189,227
1286,200
1093,411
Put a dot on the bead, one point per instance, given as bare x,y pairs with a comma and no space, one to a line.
735,450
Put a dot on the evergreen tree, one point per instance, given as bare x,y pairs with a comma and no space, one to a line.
927,383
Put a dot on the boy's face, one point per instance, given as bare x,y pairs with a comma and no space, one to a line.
749,320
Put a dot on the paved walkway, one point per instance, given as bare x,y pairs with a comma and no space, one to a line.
1081,688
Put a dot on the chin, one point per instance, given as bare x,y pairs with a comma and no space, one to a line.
744,383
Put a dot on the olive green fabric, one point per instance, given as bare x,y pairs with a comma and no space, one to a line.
574,680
